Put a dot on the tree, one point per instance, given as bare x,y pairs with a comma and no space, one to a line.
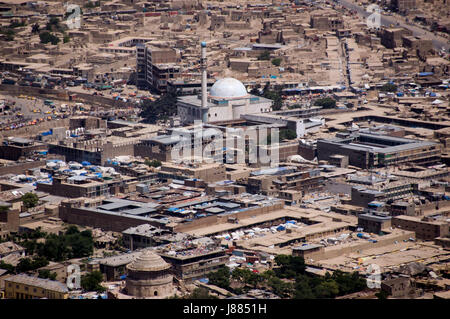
290,266
91,282
72,244
287,134
47,37
30,200
326,102
8,267
35,28
28,264
389,87
200,293
53,24
280,288
276,97
46,274
348,283
276,61
382,294
153,163
326,289
220,278
16,24
246,276
265,55
66,39
303,288
9,34
161,109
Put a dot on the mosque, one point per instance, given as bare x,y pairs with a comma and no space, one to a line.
227,99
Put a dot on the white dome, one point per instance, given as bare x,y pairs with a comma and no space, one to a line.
228,88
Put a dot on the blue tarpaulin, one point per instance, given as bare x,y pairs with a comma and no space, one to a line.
85,163
425,73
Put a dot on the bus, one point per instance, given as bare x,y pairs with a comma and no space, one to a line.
48,102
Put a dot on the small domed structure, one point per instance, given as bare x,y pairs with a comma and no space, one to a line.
228,88
149,276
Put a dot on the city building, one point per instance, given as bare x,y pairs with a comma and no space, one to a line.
149,276
228,99
370,150
27,287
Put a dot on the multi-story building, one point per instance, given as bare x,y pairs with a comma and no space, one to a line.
374,222
156,64
328,23
83,186
28,287
17,147
403,6
367,150
189,265
392,37
424,229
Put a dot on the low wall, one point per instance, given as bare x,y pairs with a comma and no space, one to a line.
212,220
336,251
107,222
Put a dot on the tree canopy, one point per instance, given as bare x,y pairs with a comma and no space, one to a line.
91,281
326,102
276,61
389,87
47,37
289,280
30,200
159,110
265,55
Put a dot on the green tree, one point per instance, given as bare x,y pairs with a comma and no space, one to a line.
389,87
276,61
276,97
200,293
265,55
47,37
35,28
53,24
30,200
281,288
47,274
153,163
28,264
382,294
303,288
10,268
220,278
159,110
16,24
326,289
290,266
326,102
91,282
66,39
